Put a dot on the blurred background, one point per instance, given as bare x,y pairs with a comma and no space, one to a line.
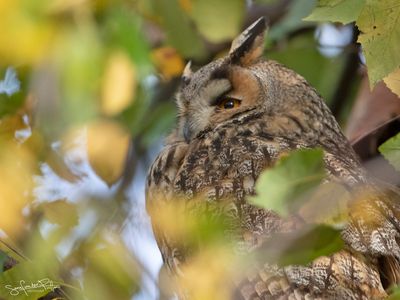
86,97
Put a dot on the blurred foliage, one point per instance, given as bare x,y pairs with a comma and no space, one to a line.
391,151
292,178
343,11
378,22
96,77
301,246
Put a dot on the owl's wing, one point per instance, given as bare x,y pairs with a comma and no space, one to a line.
342,275
159,191
367,269
374,228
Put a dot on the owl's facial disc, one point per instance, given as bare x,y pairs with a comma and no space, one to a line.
198,109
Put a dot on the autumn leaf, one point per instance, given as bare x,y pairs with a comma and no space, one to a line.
392,81
379,23
119,84
107,147
61,212
168,62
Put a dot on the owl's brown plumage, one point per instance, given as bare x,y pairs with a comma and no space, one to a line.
237,116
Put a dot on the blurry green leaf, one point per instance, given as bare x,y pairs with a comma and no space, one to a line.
379,23
391,151
266,1
301,246
124,30
323,74
394,293
179,29
3,257
11,94
137,114
111,272
218,20
79,64
27,281
344,11
61,212
293,19
278,188
160,121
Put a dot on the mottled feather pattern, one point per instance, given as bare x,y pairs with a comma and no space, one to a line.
216,155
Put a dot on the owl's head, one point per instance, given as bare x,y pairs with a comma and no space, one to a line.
237,84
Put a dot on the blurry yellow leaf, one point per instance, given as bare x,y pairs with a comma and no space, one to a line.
168,61
186,5
61,212
59,6
107,146
119,84
25,35
16,168
193,223
208,274
393,81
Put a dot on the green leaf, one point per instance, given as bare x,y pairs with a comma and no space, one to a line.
9,104
293,19
3,258
61,212
124,29
110,272
159,123
343,11
218,20
302,246
379,23
391,151
394,293
26,281
293,176
178,28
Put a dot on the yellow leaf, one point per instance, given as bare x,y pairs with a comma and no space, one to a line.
16,169
393,81
107,146
168,61
119,84
186,5
208,274
25,36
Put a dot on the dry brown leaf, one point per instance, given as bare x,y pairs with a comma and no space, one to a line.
168,61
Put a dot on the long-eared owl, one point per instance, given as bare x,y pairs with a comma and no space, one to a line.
236,117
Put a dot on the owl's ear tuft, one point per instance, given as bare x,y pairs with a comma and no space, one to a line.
187,73
249,45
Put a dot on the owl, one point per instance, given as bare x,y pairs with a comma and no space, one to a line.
236,117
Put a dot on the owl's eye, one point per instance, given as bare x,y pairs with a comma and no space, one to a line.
228,103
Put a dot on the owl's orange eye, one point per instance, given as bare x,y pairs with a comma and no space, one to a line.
229,103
